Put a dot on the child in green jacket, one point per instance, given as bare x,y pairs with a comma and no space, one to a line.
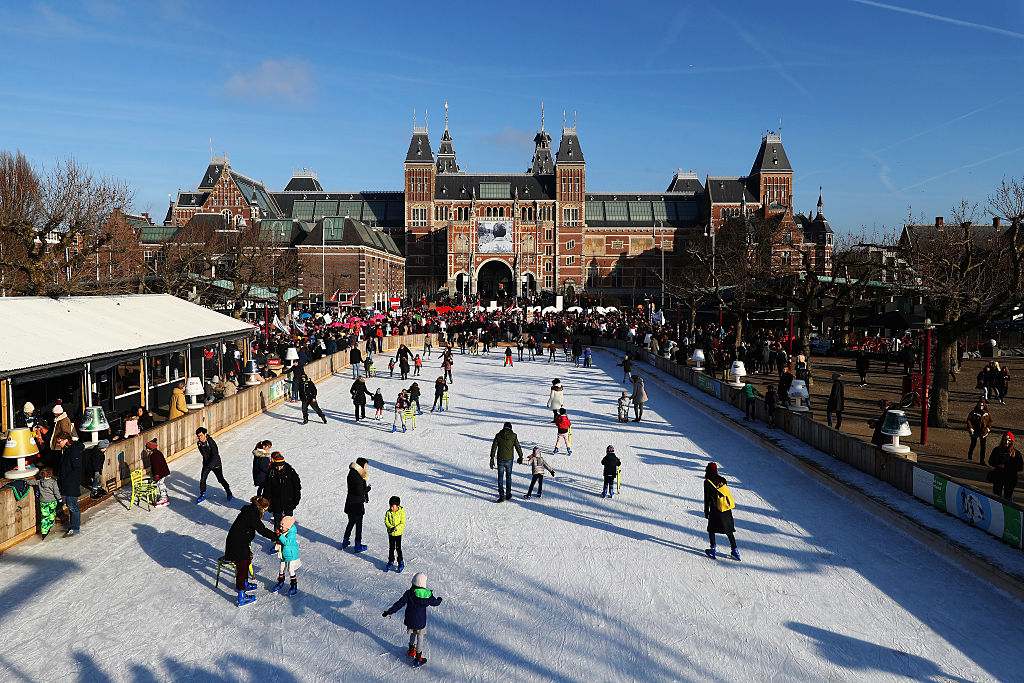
749,391
394,521
289,554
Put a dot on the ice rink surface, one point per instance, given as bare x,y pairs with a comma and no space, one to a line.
569,587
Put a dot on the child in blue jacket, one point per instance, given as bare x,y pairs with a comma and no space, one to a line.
289,554
416,600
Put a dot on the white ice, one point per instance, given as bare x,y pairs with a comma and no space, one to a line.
568,587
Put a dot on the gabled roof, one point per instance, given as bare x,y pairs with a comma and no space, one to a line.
212,174
686,182
569,150
169,218
729,190
343,231
386,208
420,150
156,234
255,192
303,182
465,186
192,199
980,233
771,157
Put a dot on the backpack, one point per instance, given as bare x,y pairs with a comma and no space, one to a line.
725,501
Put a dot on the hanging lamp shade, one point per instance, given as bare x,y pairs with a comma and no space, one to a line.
291,354
94,420
19,445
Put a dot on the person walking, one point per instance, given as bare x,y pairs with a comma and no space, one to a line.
69,480
307,392
504,446
211,463
639,397
836,400
359,392
355,502
979,424
718,505
555,398
771,402
863,365
282,488
1006,463
243,530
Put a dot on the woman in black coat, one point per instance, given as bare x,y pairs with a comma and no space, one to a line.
359,393
355,501
719,522
236,548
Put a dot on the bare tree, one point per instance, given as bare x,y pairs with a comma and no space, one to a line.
52,223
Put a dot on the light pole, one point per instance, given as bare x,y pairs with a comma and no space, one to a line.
710,232
661,227
924,380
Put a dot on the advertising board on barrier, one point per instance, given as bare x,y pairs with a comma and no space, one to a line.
494,237
1001,520
277,390
711,386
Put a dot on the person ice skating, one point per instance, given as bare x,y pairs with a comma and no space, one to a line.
611,463
555,398
552,348
519,348
863,365
391,368
49,498
261,464
531,346
282,488
69,480
563,424
417,365
394,522
771,402
211,463
428,346
749,392
368,368
440,387
415,601
508,357
979,424
247,524
355,359
358,496
505,445
836,400
1006,463
401,403
307,392
627,366
623,404
538,465
639,397
588,357
289,553
403,365
359,392
378,404
718,505
160,470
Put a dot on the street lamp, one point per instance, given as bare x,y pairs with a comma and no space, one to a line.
924,380
661,226
710,232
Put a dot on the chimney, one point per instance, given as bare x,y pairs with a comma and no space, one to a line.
146,216
938,222
995,222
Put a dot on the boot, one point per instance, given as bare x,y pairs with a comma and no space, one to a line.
710,552
279,584
228,491
245,599
735,553
201,498
250,586
411,652
294,588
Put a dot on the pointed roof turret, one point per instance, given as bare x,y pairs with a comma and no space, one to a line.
446,162
771,157
569,150
821,204
420,151
542,163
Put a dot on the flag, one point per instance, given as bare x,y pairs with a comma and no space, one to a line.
334,296
280,325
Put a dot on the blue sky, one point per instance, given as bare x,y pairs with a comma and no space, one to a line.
888,105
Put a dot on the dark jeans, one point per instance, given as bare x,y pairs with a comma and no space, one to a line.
638,409
538,479
217,472
975,438
609,483
749,408
242,563
839,418
355,521
360,411
75,521
416,400
438,401
395,546
1004,489
448,375
316,408
505,472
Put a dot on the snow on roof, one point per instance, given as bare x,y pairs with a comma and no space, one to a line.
42,332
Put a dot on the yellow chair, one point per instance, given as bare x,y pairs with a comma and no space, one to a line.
142,488
223,562
410,417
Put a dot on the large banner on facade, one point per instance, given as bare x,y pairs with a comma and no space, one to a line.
494,237
988,514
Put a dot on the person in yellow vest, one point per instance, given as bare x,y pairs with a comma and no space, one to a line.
177,407
718,505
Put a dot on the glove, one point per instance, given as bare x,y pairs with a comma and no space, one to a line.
492,464
439,600
552,474
386,615
520,461
368,488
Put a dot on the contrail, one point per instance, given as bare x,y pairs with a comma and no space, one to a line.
964,167
939,17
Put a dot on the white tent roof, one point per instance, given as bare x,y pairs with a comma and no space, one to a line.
38,332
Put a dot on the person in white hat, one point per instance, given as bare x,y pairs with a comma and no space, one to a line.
415,601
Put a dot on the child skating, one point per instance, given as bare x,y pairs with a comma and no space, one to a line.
289,554
391,367
538,464
563,424
49,498
378,405
508,357
415,601
417,365
394,521
623,403
401,403
611,464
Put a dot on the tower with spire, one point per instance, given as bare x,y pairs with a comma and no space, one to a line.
446,162
570,193
420,177
542,163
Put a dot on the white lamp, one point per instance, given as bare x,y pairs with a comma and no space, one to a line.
698,359
194,388
252,371
896,425
291,354
19,445
737,371
798,392
94,421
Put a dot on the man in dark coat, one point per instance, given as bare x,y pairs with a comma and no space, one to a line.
359,393
836,400
355,358
355,502
1006,464
863,365
211,463
307,392
69,480
282,488
504,446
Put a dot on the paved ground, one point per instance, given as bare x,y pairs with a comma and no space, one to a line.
947,448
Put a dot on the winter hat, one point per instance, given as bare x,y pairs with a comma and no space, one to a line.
561,411
419,580
556,381
508,425
394,500
58,410
712,468
836,375
277,457
151,444
102,444
1009,434
610,449
287,523
28,408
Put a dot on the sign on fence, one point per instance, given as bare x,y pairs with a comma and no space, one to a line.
711,386
988,514
277,390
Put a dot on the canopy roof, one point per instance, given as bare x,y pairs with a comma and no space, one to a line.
42,332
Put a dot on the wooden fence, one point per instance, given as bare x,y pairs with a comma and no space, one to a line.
175,438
